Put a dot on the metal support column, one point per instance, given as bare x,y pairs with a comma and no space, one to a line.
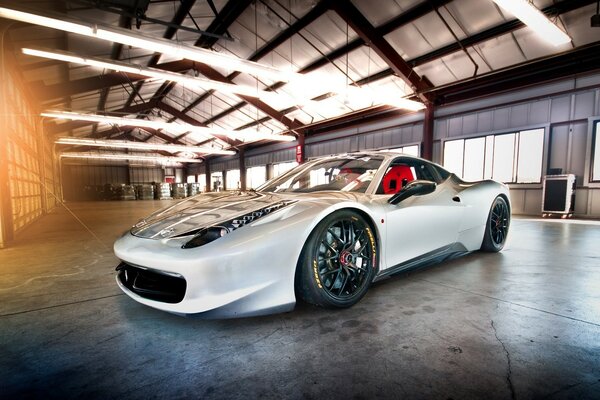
242,170
427,144
300,153
208,178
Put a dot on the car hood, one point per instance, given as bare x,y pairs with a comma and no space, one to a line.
209,209
201,211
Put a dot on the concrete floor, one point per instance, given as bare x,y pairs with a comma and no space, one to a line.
523,324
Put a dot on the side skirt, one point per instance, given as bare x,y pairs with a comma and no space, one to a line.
433,257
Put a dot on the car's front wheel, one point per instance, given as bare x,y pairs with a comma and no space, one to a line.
338,261
496,229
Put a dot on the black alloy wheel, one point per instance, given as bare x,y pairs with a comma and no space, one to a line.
338,262
496,229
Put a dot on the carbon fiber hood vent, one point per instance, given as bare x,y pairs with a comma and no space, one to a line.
207,210
207,235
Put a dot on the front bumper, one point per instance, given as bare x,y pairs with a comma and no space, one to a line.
234,276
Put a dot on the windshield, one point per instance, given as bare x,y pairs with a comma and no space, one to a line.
347,174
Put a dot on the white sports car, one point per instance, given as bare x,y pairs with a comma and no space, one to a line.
322,232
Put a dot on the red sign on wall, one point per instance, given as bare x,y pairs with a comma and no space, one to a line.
299,154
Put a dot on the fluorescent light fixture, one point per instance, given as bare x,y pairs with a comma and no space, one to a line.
242,135
536,20
123,36
125,144
136,157
119,35
202,83
208,84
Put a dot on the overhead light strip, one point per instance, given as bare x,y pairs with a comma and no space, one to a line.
242,135
168,47
135,157
536,20
125,144
158,45
206,84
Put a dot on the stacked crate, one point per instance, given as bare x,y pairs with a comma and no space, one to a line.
144,192
193,189
109,192
124,192
162,191
178,190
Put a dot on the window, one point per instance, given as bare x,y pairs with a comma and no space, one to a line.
529,167
232,179
474,159
504,158
453,156
596,153
510,158
202,182
346,173
410,150
191,178
279,169
404,170
256,176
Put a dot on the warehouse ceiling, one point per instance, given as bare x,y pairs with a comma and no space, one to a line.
432,51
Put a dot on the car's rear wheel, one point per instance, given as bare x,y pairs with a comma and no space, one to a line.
338,261
496,229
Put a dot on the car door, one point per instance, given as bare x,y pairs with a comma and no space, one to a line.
422,224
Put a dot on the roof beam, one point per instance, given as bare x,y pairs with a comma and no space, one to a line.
124,22
553,10
116,78
223,20
180,15
187,119
406,17
577,61
215,75
349,13
297,26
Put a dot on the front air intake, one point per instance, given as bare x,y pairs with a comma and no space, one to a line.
152,285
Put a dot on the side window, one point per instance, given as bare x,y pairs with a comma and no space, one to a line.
402,171
443,173
425,172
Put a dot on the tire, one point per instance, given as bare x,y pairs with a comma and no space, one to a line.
338,262
496,228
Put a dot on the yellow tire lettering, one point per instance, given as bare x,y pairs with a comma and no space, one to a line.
316,272
372,240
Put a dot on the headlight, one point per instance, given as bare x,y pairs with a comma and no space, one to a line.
207,235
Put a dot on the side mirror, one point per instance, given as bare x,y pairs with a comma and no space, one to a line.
414,188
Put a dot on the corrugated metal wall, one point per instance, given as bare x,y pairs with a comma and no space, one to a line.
146,175
29,167
567,119
273,157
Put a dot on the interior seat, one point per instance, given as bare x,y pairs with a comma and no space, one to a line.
396,178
